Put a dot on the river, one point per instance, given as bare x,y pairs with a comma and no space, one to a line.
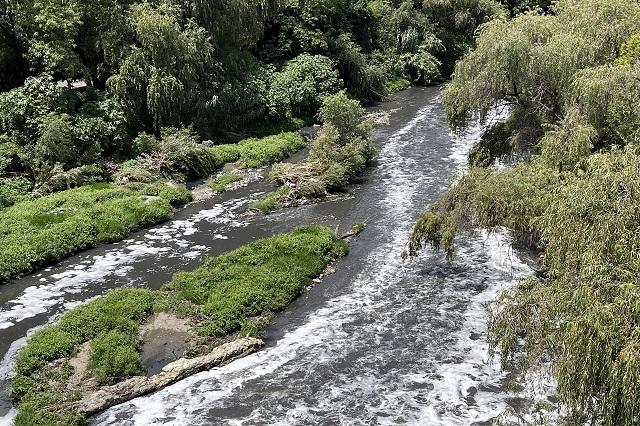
381,341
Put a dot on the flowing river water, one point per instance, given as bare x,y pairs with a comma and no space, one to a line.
381,341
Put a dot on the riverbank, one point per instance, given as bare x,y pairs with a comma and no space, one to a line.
43,231
234,292
38,232
374,338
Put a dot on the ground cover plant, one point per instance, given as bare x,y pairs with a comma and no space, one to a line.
179,155
41,231
220,182
223,296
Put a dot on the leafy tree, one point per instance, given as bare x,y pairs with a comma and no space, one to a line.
529,63
573,76
302,83
456,22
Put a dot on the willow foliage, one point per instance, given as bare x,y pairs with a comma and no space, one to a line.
529,62
576,197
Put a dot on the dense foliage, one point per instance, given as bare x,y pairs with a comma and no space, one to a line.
340,151
221,297
570,81
81,82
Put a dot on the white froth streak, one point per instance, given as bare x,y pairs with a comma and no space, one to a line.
458,379
39,299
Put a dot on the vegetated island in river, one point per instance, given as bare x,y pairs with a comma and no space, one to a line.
92,358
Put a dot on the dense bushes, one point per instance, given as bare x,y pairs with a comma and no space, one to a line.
571,80
13,190
339,152
179,155
299,87
44,230
87,80
45,129
220,297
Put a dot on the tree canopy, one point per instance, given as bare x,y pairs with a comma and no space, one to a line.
570,82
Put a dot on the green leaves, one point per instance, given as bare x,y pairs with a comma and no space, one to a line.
114,357
576,198
299,87
530,62
49,28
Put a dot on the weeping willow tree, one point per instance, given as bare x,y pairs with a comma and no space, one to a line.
529,62
576,74
169,68
181,57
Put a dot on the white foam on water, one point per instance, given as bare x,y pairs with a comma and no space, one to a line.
323,337
168,240
466,392
7,420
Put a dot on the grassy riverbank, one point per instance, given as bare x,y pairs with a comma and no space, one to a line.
42,231
180,155
226,294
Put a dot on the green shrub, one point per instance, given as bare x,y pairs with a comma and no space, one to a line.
345,115
60,179
184,155
299,87
13,191
144,143
271,201
136,171
114,357
341,150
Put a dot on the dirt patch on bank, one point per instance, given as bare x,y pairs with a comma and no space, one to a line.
164,339
82,378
